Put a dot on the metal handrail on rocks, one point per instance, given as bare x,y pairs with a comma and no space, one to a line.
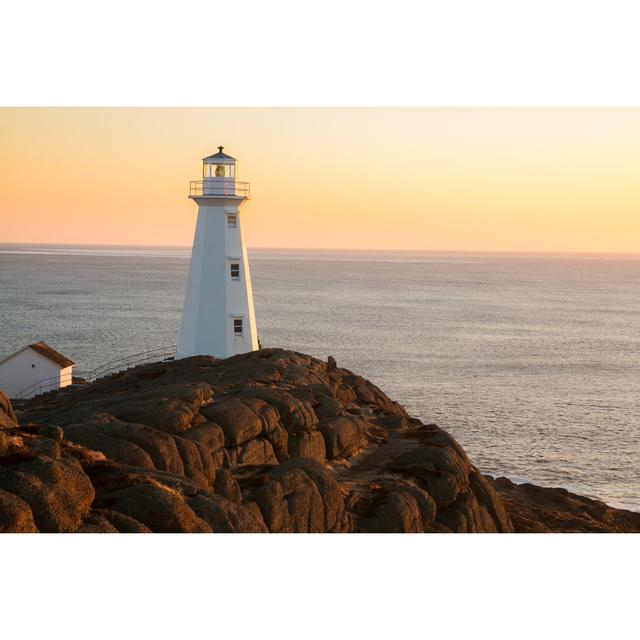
54,383
144,357
44,385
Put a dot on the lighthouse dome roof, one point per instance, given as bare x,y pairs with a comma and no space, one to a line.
219,157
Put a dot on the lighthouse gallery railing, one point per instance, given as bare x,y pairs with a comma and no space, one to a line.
222,188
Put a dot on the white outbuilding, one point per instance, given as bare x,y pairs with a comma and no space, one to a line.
35,369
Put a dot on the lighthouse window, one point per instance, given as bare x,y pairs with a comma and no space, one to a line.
237,326
232,221
235,271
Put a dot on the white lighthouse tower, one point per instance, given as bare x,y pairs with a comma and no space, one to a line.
218,318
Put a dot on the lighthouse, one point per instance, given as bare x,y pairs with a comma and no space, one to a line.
218,317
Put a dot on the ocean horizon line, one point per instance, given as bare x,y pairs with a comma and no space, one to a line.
12,247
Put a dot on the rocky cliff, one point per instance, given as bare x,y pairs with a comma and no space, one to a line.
267,441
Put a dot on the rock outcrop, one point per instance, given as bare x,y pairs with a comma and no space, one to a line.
267,441
534,509
7,414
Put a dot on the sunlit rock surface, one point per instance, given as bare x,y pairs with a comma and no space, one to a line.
267,441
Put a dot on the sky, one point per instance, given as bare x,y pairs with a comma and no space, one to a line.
476,179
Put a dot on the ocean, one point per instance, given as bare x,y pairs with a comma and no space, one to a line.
531,361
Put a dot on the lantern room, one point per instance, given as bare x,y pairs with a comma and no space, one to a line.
219,165
219,173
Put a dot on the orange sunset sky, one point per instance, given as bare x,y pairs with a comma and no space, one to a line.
512,179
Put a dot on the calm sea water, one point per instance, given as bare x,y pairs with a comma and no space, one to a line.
531,361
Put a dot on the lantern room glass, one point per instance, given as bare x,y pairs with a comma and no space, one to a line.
218,170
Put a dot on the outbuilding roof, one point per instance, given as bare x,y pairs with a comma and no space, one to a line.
49,352
44,350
